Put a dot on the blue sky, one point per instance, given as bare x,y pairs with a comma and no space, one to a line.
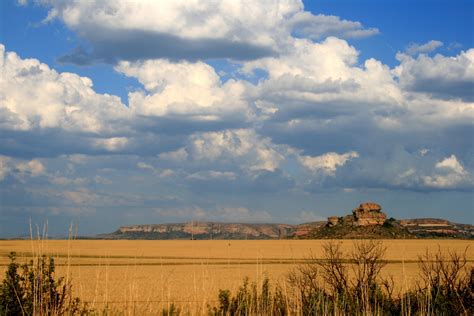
116,113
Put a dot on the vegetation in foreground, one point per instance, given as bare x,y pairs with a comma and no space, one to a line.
33,289
341,284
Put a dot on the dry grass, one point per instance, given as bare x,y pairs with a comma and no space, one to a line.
132,275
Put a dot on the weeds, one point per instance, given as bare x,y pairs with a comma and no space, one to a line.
32,289
250,301
350,284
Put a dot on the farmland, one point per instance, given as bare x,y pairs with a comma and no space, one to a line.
137,273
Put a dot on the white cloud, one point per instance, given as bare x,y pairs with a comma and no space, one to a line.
33,167
318,61
20,168
440,76
35,96
193,20
318,97
185,89
415,49
451,163
324,80
450,174
193,30
111,144
243,147
327,163
448,181
319,26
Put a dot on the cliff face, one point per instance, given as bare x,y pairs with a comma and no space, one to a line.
211,230
433,227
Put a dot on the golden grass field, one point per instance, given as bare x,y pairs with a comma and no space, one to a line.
133,273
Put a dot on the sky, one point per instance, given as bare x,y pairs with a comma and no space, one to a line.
139,112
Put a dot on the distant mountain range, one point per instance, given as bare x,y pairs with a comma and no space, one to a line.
366,221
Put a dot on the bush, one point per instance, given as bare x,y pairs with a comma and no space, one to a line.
31,289
248,301
448,287
350,284
338,292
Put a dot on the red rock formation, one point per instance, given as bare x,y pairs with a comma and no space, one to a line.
368,214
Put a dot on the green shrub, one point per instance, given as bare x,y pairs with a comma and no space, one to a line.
32,289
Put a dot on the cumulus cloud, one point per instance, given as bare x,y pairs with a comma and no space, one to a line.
327,163
440,76
191,90
415,48
451,163
323,80
242,147
20,168
449,174
174,29
35,96
316,98
46,113
33,167
196,30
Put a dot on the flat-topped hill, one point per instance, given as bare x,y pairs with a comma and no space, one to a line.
366,221
211,230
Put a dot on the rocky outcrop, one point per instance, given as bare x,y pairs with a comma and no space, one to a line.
368,214
333,221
